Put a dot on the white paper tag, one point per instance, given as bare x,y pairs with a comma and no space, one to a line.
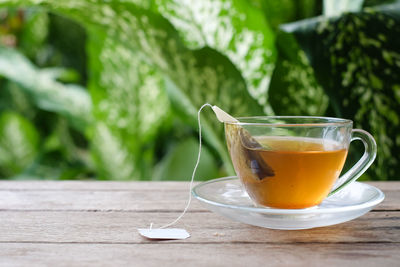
222,116
167,233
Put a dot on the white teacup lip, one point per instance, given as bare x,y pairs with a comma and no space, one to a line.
308,121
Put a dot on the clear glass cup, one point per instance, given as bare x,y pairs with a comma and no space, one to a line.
294,162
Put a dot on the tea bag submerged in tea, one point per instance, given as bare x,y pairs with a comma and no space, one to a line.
247,148
253,158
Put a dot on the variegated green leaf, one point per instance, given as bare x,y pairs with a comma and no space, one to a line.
130,106
71,101
233,27
294,88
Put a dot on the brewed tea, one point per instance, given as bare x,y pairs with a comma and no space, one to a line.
288,172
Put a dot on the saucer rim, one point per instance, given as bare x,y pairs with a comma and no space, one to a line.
365,205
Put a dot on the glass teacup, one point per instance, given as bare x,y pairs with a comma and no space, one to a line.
294,162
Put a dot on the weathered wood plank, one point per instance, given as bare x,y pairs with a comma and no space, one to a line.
205,227
134,200
48,223
166,254
386,186
137,200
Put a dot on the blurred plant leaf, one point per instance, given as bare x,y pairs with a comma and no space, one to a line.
113,160
61,140
337,7
67,41
67,75
34,32
130,106
284,11
370,3
18,143
294,89
232,27
356,59
277,12
13,97
180,161
59,156
72,101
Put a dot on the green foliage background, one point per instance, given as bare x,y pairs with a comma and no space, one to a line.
110,89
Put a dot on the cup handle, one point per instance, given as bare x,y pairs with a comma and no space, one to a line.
362,165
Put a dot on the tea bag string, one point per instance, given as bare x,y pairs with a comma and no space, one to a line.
193,174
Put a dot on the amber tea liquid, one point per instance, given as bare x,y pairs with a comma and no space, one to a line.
301,171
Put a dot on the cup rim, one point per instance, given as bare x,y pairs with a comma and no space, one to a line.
325,121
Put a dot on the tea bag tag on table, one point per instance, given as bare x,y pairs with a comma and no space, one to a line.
164,234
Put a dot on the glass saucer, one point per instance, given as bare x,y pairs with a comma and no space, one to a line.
227,197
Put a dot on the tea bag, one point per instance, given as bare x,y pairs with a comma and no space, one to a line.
248,143
249,147
254,160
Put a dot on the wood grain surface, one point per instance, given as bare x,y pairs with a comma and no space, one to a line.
85,223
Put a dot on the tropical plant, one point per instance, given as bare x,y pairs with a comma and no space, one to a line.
127,110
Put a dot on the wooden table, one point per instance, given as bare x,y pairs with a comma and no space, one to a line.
71,223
